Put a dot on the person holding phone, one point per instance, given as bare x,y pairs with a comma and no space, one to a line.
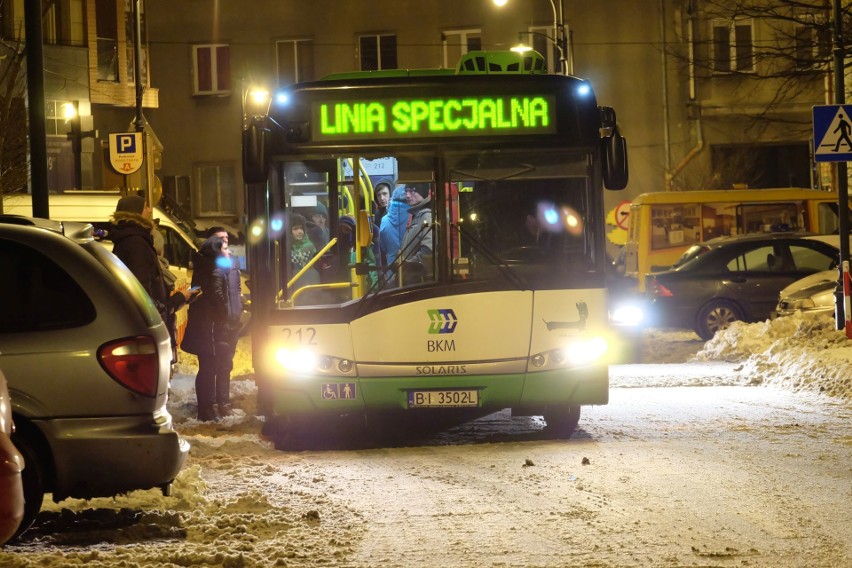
213,326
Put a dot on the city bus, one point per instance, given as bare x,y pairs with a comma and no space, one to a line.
664,224
496,299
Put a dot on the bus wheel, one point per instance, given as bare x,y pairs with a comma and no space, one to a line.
561,421
715,316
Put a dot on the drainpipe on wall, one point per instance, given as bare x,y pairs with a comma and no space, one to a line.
699,144
664,64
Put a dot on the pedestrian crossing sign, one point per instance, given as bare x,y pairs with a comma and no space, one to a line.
833,133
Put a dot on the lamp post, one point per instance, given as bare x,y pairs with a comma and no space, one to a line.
560,38
256,101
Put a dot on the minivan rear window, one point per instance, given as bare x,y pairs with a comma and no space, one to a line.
38,295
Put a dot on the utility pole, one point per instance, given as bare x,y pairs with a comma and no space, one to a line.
35,102
140,122
842,173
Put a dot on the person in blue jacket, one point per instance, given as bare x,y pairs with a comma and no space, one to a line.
393,226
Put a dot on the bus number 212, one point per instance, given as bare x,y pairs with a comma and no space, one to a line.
306,336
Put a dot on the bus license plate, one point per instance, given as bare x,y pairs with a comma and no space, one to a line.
443,398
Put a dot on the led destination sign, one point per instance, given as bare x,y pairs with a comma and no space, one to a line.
434,117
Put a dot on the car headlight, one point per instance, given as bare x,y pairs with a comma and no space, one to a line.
803,304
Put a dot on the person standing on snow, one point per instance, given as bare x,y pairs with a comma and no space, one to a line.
212,329
133,244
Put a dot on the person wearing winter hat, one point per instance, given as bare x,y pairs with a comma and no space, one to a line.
382,197
212,329
317,228
133,244
302,250
416,244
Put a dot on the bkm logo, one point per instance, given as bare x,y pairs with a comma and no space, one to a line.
443,321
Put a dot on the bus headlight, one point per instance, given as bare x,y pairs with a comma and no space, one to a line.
297,360
582,351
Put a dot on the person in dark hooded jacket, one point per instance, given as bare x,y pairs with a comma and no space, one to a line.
211,332
133,243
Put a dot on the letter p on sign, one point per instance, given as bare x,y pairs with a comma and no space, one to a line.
126,144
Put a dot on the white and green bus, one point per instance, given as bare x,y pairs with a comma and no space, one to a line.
499,298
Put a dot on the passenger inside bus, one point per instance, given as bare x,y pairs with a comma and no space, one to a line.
415,253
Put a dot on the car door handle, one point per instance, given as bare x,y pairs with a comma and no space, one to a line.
738,279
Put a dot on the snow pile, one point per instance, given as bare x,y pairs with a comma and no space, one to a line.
797,352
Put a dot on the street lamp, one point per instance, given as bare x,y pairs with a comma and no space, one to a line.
559,39
256,101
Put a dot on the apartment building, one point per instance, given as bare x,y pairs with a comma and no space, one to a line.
706,96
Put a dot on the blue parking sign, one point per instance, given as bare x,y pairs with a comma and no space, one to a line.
125,143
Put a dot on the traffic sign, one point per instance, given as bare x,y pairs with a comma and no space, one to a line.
125,152
622,215
832,133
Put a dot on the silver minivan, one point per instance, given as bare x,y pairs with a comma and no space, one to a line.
86,357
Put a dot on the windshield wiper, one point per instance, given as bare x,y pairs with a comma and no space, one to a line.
506,270
525,169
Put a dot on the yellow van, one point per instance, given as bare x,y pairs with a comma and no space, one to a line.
662,225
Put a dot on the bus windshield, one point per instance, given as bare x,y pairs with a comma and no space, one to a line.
507,220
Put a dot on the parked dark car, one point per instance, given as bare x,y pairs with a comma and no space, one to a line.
86,356
733,279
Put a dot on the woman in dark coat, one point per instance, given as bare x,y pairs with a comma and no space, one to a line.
133,243
212,328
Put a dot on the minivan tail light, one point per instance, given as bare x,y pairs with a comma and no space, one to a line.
133,362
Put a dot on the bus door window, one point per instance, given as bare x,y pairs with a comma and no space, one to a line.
301,216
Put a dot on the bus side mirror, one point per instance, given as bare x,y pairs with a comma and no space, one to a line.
256,145
614,163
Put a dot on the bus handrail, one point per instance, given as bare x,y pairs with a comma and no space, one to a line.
329,286
312,262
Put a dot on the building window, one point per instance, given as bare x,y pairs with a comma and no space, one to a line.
541,39
813,42
295,61
733,46
107,30
216,189
459,42
377,52
211,69
62,23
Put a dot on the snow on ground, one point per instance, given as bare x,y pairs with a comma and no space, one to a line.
201,524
